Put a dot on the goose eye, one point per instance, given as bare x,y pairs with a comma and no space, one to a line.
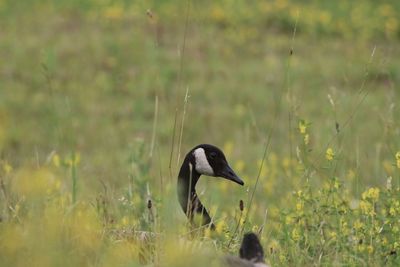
213,155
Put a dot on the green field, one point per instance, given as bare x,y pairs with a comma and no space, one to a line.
100,100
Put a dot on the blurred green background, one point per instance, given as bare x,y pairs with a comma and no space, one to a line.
83,76
105,81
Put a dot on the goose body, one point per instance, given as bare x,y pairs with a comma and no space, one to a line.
207,160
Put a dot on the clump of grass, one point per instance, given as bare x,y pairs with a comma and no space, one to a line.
327,225
317,226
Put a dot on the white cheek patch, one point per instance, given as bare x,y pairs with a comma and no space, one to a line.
202,165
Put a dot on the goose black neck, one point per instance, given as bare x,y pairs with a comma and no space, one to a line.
190,203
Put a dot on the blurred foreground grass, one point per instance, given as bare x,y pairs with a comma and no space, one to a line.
89,93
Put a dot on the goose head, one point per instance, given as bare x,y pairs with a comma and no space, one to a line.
201,160
210,160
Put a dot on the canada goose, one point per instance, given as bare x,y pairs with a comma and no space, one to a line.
210,160
251,253
202,159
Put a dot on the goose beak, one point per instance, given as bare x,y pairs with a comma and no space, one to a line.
229,174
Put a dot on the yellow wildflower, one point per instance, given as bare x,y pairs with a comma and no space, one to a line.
299,206
336,184
372,193
242,221
220,227
366,208
73,160
370,249
302,126
344,228
273,245
398,159
295,234
255,228
329,154
358,224
289,219
394,208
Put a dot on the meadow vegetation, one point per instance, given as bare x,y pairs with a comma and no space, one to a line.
100,100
